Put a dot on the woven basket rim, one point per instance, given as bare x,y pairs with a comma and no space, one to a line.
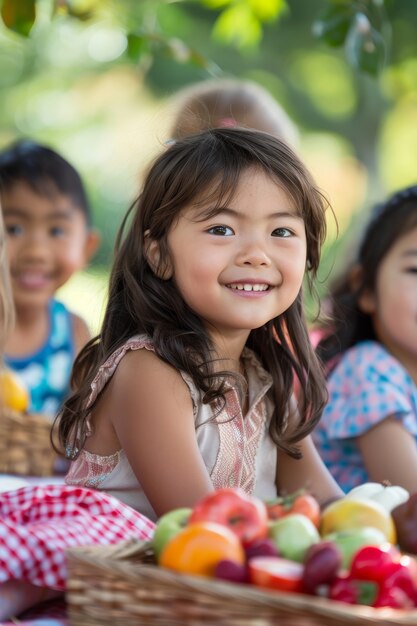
114,559
25,443
25,419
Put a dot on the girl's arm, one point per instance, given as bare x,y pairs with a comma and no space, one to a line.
151,411
308,472
389,452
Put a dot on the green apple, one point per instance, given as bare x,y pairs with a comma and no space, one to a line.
168,526
350,540
293,535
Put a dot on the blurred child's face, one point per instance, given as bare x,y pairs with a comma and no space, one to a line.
245,266
47,239
393,304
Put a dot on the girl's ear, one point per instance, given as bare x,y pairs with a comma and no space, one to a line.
92,244
366,297
153,256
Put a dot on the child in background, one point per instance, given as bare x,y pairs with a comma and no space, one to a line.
187,388
369,427
49,237
228,103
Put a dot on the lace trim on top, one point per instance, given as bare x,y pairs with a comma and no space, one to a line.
239,441
90,470
108,368
106,371
240,436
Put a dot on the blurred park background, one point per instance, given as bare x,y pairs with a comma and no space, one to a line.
94,79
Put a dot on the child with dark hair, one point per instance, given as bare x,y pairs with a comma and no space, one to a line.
369,427
188,387
49,237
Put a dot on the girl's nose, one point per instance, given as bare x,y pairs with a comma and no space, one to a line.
253,254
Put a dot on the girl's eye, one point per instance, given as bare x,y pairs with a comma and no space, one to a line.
57,231
222,231
411,270
14,230
282,232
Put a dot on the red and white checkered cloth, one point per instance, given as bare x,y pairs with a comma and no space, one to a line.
38,523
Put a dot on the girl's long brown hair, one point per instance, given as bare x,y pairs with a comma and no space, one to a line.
203,167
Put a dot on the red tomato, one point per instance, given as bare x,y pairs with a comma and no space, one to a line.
298,502
276,573
245,515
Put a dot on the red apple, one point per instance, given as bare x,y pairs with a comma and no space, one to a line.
245,515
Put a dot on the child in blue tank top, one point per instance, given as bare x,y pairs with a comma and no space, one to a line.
49,237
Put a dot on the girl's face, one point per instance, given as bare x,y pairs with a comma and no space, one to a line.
393,304
244,266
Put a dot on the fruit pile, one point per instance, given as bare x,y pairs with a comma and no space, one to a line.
347,552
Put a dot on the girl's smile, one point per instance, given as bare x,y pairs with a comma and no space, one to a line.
248,288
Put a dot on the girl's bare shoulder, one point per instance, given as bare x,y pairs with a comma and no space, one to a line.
142,374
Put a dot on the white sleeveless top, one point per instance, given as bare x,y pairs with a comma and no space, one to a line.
237,449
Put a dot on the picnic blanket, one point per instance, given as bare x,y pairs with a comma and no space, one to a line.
38,523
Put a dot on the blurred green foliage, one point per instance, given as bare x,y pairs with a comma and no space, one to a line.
360,25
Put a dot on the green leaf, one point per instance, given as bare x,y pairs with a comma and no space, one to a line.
367,592
365,46
19,15
333,25
137,46
238,26
267,10
217,4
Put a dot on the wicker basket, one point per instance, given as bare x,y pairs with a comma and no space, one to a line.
25,444
120,585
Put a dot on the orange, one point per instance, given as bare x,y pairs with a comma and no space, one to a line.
13,393
199,547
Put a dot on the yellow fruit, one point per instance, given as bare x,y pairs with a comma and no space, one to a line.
13,393
350,513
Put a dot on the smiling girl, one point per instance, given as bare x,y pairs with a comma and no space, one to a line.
369,427
187,388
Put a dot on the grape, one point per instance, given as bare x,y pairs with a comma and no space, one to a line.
231,571
321,564
261,547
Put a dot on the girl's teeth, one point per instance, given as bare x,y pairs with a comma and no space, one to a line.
247,287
